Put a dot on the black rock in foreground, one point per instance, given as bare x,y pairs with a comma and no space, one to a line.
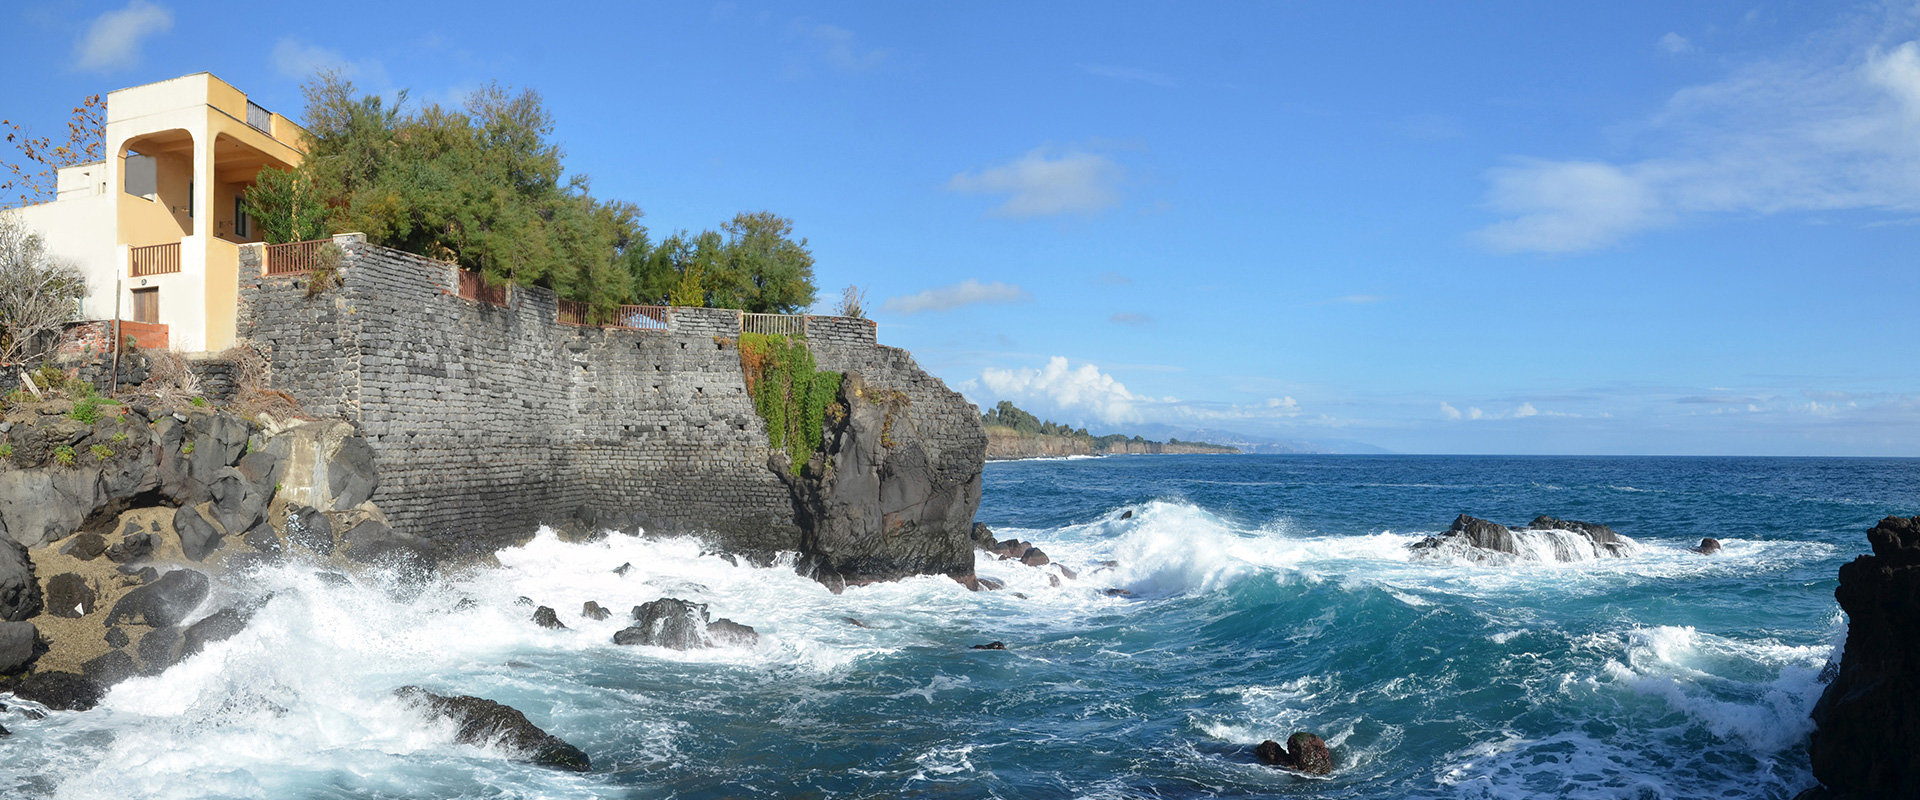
1867,740
1304,752
483,722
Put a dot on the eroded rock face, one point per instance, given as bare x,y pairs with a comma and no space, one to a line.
1544,539
483,722
19,591
1867,739
871,504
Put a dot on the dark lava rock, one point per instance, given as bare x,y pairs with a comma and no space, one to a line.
159,649
133,547
17,651
69,596
1066,572
351,475
1867,737
667,622
198,537
1035,557
162,603
881,500
727,633
19,591
1304,753
1013,548
623,569
524,600
217,627
593,610
310,529
1128,514
1708,546
85,546
991,646
1119,593
1478,539
110,668
545,617
983,537
116,637
992,585
60,691
484,722
371,542
332,578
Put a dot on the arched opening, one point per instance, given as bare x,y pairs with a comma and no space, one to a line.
236,165
157,168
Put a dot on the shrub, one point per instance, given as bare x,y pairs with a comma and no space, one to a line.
101,452
63,455
853,303
6,449
186,449
791,395
86,409
119,436
198,402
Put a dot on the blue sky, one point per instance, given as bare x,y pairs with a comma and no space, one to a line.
1512,228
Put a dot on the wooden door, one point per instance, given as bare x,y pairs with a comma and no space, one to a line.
146,304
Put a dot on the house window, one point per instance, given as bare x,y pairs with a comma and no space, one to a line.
146,304
240,226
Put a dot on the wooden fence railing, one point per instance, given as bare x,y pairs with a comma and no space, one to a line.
475,288
294,257
639,318
158,259
781,324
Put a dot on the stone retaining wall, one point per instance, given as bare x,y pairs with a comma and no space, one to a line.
486,420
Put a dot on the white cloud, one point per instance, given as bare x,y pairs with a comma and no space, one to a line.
113,40
1038,186
1084,389
1448,411
1522,411
1675,43
965,293
1835,129
839,49
298,60
1128,74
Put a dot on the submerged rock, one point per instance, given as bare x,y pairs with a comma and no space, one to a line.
1544,539
483,722
681,625
1304,752
60,691
1866,741
991,646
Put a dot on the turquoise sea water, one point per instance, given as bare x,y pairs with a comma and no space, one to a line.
1268,594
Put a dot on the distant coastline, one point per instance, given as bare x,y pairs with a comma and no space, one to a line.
1013,434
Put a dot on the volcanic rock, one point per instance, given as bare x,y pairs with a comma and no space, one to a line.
163,603
1546,537
17,651
69,596
667,622
593,610
724,632
545,617
19,591
1035,557
1304,752
198,537
60,691
991,646
484,722
1708,546
85,546
1867,737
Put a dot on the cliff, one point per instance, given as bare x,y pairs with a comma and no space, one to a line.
1867,737
487,419
1004,444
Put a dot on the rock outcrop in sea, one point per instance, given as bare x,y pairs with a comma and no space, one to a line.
483,723
1866,742
1544,539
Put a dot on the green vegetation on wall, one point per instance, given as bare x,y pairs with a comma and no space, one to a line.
792,395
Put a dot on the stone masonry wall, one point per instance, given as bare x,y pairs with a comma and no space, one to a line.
486,421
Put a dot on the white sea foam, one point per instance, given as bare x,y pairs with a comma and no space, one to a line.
1757,692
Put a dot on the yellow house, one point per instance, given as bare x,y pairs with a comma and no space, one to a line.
160,218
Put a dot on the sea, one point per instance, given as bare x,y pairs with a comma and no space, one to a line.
1216,601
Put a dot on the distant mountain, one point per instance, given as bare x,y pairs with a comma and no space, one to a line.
1249,443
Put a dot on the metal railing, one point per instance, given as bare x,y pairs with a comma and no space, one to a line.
774,324
260,118
638,318
158,259
294,257
475,288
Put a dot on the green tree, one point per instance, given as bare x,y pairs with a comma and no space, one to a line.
285,206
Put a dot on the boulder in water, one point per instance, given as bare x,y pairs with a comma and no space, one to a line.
991,646
667,622
1708,546
164,602
545,617
724,632
1545,539
1304,752
1035,557
593,610
1866,741
483,722
60,691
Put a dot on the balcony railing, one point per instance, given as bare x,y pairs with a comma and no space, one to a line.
475,288
774,324
293,258
158,259
259,118
638,318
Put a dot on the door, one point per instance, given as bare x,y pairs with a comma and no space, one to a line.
146,304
